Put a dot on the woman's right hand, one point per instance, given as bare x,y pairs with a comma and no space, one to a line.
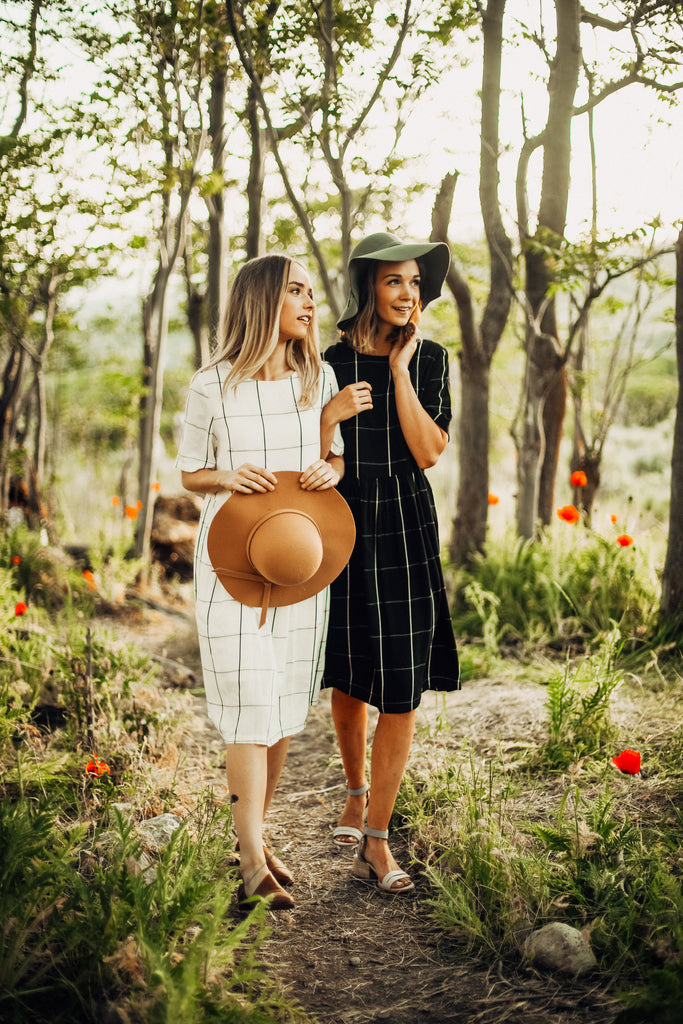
348,402
246,479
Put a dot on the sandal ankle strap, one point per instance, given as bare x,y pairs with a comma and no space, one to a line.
358,792
377,833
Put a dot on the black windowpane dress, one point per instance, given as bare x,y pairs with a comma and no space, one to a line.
390,635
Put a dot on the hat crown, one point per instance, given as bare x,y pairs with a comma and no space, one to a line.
375,243
285,547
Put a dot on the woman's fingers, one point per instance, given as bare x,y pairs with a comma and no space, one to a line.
250,478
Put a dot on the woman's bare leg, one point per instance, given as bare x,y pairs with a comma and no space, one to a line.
350,717
390,751
247,770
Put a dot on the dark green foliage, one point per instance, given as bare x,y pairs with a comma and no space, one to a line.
87,930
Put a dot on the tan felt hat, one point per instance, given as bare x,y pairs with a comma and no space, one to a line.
277,548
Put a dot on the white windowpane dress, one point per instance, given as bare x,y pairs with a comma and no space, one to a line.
259,683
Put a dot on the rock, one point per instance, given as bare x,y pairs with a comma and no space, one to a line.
155,833
559,947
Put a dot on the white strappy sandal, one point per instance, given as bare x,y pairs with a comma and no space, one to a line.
353,835
362,868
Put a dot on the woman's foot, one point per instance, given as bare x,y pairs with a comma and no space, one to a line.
260,884
279,871
349,830
375,859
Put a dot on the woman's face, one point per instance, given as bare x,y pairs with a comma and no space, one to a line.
298,308
397,292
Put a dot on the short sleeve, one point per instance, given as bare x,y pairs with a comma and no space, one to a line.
197,446
432,383
330,388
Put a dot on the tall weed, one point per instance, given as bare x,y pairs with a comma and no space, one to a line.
578,703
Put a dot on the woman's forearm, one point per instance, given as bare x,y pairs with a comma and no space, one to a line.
425,438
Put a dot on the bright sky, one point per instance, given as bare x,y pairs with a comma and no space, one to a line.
640,155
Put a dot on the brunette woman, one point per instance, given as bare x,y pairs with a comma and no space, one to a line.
390,636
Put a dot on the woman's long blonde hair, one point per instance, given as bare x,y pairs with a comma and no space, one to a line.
252,323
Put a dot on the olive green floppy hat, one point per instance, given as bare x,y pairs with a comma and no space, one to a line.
435,257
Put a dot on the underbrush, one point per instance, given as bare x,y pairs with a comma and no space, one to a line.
562,590
96,923
554,831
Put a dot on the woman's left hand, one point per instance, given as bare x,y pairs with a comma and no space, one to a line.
319,476
403,349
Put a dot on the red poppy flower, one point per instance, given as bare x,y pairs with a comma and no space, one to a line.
115,500
569,513
614,518
578,478
21,608
493,499
97,767
131,512
628,761
625,540
88,576
16,559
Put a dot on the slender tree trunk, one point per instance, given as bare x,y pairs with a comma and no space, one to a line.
257,170
217,278
155,329
12,378
538,431
671,605
479,342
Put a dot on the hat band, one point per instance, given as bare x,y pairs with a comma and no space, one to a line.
251,577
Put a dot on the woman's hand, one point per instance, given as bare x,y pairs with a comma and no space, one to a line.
348,402
245,479
403,349
319,476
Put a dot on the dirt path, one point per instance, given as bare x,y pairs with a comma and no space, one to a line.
347,953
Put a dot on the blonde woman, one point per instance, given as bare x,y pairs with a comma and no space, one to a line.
252,412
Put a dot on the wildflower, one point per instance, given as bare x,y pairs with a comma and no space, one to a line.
21,608
156,486
16,559
493,499
139,505
625,540
90,579
115,500
628,761
131,512
97,767
569,513
578,478
614,518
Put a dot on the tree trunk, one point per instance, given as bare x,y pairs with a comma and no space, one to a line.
257,158
479,343
539,429
217,278
155,329
671,605
12,378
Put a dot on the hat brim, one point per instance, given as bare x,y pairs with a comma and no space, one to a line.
435,256
234,521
